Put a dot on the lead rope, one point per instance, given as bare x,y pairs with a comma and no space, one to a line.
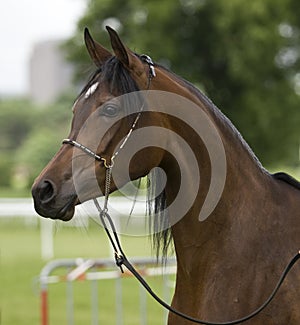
121,260
103,215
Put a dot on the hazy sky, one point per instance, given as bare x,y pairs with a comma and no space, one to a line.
22,24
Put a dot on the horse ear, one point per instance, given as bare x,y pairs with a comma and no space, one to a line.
123,53
98,53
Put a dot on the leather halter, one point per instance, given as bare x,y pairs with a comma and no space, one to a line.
97,157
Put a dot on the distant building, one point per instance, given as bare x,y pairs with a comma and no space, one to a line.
50,73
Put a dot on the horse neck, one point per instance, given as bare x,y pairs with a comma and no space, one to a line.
247,240
245,178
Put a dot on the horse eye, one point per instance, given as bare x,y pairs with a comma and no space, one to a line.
110,110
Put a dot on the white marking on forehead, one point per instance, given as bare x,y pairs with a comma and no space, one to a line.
91,90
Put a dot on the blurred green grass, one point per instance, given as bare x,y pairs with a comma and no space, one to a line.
21,263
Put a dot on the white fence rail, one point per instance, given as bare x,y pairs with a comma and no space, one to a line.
23,207
17,207
119,207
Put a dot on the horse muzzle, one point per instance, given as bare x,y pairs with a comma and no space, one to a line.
49,204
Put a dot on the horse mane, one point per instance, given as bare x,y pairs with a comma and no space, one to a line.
287,179
115,75
159,221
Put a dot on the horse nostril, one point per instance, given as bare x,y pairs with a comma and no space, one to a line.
47,191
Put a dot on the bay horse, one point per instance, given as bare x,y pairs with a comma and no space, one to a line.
230,257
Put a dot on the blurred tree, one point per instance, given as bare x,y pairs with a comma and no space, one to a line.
29,137
6,169
34,155
49,128
16,119
243,54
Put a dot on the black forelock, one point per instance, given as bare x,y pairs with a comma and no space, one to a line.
113,73
117,77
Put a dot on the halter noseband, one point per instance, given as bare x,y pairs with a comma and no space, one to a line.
147,59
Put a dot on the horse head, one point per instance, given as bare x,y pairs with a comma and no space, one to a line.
104,114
